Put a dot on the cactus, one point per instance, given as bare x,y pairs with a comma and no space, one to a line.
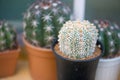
7,37
109,35
78,39
43,20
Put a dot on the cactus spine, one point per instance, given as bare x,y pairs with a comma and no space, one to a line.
7,37
78,39
109,35
43,20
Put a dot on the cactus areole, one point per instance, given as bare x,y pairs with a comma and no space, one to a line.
78,39
8,39
43,20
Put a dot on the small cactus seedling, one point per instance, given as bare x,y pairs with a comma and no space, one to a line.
109,35
78,39
7,37
43,20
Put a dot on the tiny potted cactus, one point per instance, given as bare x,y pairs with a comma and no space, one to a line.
42,22
9,50
77,51
109,64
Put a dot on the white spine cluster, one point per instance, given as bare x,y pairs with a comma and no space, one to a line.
78,39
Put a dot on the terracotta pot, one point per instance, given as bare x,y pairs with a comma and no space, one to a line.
8,61
119,75
41,61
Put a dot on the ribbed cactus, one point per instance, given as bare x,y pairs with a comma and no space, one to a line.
43,20
78,39
109,35
7,37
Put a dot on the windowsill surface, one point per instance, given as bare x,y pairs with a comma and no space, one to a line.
22,72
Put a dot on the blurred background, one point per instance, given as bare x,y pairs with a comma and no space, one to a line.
95,9
12,10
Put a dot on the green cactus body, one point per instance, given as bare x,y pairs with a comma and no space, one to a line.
109,35
43,20
78,39
7,37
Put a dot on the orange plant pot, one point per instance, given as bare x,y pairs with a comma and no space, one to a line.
8,62
42,62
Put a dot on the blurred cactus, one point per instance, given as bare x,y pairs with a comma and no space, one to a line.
43,20
78,39
109,35
7,37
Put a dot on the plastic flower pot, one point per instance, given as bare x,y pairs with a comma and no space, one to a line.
108,69
68,69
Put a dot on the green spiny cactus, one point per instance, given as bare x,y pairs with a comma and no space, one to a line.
109,35
7,37
43,20
78,39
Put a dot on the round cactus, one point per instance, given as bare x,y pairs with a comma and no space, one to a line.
43,20
109,35
7,37
78,39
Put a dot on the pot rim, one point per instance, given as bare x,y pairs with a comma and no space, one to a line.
10,51
89,60
34,47
110,59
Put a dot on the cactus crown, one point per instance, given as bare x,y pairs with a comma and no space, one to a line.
109,35
43,20
78,39
7,37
